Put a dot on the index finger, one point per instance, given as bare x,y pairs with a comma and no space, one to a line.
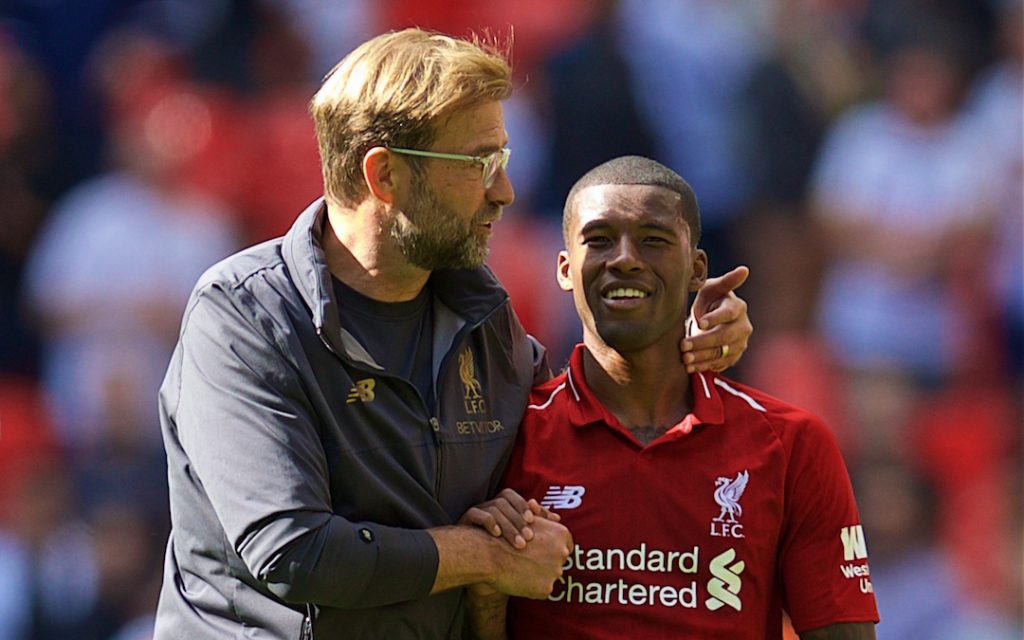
517,502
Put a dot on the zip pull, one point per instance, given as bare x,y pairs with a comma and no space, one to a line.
307,623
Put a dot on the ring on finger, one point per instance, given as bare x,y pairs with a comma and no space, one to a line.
725,351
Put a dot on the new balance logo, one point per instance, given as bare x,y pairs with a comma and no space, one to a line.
362,391
854,547
724,587
568,497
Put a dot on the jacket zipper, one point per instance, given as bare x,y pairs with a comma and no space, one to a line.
435,421
307,624
435,424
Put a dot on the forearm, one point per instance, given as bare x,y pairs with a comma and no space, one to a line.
842,631
487,609
469,555
465,556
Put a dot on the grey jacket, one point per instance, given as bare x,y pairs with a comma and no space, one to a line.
302,475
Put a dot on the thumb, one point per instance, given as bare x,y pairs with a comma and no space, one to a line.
723,284
715,289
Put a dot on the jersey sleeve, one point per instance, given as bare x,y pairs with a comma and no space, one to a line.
250,437
823,560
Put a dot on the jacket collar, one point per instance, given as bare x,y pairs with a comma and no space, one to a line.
471,294
585,409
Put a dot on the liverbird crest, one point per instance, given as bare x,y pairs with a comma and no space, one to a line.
727,495
468,375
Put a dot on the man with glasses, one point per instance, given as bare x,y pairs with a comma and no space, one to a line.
340,396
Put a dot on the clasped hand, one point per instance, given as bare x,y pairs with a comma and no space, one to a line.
538,545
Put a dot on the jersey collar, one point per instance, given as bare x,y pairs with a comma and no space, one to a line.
585,409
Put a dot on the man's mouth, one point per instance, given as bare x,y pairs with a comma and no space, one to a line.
488,217
624,293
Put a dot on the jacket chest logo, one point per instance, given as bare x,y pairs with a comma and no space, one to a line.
472,400
362,391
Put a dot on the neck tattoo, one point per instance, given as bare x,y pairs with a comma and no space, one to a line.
647,434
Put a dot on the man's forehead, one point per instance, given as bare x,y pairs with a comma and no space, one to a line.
474,129
636,200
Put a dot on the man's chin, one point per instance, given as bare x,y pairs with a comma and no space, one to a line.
469,258
626,338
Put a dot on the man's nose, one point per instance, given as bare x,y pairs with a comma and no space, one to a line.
501,192
626,256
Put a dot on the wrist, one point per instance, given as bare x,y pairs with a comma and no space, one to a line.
485,596
467,555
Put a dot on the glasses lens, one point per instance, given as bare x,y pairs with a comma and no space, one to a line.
493,163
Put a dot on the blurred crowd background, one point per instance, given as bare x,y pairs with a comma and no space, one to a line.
864,157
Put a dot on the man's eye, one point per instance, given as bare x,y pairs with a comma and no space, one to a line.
598,241
655,240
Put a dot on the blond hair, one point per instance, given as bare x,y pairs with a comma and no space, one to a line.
394,90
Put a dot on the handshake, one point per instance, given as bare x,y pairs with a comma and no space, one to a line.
504,547
529,545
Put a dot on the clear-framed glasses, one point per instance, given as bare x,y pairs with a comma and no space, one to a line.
490,164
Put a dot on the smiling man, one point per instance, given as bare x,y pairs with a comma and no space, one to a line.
700,508
341,396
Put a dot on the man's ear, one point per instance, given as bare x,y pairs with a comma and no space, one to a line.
379,174
700,270
563,274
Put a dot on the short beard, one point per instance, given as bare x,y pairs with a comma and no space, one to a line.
431,236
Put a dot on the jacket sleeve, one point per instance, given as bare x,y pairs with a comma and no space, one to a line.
541,367
250,435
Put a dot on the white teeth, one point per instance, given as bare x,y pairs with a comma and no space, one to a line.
622,292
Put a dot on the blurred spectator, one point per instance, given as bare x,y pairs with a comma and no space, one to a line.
127,552
278,153
964,440
331,28
68,576
898,509
15,600
48,546
26,442
997,109
25,159
904,202
593,113
59,35
886,22
257,153
817,65
690,60
534,28
111,272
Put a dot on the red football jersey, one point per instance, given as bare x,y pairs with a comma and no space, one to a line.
741,510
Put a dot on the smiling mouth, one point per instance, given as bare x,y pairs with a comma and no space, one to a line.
624,293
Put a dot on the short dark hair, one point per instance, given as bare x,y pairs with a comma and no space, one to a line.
636,170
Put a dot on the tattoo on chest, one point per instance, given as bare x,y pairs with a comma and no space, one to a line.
647,434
